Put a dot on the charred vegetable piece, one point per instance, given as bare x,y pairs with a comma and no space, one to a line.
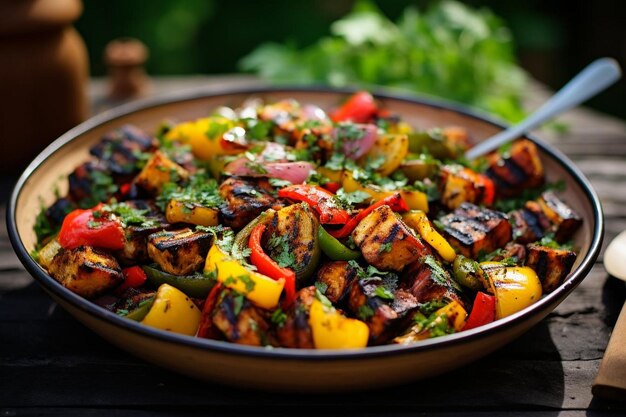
333,279
86,271
516,169
291,240
244,200
551,264
121,150
528,223
386,242
91,183
374,301
459,184
135,248
179,252
473,230
158,171
427,280
239,320
295,331
565,221
512,253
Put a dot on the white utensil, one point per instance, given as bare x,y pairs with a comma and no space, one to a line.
597,76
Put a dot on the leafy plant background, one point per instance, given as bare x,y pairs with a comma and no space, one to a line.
552,40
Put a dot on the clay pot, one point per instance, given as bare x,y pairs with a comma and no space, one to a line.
43,77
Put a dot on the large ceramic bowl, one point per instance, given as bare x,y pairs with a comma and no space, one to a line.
279,368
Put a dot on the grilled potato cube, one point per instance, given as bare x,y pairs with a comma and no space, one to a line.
386,242
551,265
371,302
334,278
158,171
427,280
245,199
295,332
86,271
518,168
459,184
239,320
565,221
135,243
179,252
473,230
527,225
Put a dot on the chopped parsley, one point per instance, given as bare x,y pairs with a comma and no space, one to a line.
281,252
549,241
279,317
201,190
383,293
365,312
347,199
385,247
126,214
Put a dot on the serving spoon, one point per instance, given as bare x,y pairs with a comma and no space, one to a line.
593,79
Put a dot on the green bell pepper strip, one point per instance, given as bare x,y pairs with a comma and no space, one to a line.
466,271
142,310
240,244
334,249
197,286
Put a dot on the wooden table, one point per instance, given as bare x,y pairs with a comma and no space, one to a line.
51,365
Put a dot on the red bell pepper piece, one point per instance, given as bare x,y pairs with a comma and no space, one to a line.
359,108
267,266
205,328
81,228
394,201
320,200
332,186
483,311
134,277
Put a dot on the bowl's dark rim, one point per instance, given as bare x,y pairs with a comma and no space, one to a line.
299,354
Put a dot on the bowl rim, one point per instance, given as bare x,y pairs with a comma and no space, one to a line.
86,306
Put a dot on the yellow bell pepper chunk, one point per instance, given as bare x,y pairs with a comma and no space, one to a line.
332,330
419,222
203,135
173,311
416,200
260,289
331,174
400,127
516,287
455,313
392,147
180,212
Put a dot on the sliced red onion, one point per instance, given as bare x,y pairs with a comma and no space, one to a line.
294,172
313,112
356,148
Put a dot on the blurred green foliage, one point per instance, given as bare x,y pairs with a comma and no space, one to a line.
450,51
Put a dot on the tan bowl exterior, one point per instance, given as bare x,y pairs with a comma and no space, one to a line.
278,368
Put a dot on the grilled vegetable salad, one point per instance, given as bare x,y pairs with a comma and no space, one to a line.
281,224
